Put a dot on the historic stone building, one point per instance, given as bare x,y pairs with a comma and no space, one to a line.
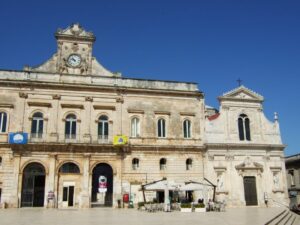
72,109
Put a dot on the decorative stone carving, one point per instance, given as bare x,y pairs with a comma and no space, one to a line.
249,165
229,157
210,157
57,97
89,99
23,95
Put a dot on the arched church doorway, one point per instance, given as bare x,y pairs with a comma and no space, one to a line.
33,185
102,185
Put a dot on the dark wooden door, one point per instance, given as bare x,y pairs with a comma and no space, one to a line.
250,191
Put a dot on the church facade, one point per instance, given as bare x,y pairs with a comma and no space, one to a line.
70,130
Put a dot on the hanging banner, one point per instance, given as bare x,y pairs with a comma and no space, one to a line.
102,188
120,140
18,138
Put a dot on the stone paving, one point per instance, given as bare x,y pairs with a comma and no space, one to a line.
38,216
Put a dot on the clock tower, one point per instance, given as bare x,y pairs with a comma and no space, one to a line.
74,50
74,54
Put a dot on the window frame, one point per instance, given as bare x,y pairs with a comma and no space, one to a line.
2,127
71,121
135,127
163,164
244,127
161,130
39,120
187,124
135,163
102,125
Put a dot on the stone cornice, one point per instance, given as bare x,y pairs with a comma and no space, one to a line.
3,105
245,146
40,104
104,107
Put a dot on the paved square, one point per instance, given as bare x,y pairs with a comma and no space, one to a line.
38,216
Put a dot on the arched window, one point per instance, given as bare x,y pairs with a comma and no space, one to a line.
37,125
161,128
135,163
69,168
244,127
3,122
187,129
70,126
0,161
103,128
189,164
162,164
135,127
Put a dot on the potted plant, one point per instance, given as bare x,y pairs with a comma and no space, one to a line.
200,207
186,207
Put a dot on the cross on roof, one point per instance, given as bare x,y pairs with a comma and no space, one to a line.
239,82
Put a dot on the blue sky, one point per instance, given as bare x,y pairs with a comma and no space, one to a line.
209,42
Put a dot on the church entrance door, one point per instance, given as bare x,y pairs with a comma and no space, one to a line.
250,191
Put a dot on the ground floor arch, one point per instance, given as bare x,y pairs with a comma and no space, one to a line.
102,185
33,185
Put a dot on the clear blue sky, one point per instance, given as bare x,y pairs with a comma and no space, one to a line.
209,42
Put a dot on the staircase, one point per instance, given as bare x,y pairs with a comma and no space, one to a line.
286,217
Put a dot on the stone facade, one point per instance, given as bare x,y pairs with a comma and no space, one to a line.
83,107
292,164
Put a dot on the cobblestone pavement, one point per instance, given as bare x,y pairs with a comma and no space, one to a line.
38,216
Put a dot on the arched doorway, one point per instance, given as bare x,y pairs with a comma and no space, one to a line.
102,185
33,185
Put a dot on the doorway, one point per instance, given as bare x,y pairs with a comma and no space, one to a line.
250,191
68,195
33,185
102,186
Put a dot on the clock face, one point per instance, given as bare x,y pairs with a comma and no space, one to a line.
74,60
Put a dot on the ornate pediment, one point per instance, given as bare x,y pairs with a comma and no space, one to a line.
75,31
249,165
242,93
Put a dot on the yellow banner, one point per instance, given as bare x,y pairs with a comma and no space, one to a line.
120,140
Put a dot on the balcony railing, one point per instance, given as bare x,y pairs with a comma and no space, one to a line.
102,139
36,135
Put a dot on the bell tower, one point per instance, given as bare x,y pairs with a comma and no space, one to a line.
74,50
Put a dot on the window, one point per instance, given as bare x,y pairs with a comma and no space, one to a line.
135,127
162,164
292,177
189,163
69,168
161,128
3,122
0,161
37,125
187,129
244,127
135,163
103,128
70,126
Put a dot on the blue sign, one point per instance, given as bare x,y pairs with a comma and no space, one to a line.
18,138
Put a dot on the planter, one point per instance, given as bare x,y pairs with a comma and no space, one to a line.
186,210
200,209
